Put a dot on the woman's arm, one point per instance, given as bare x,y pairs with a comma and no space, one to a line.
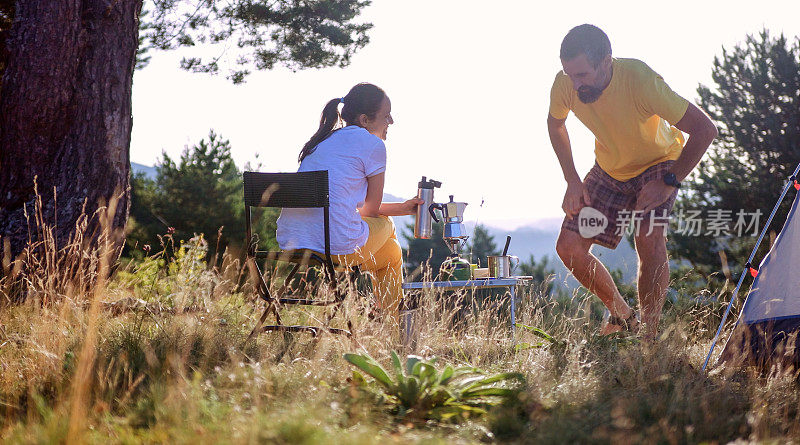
400,208
372,203
373,206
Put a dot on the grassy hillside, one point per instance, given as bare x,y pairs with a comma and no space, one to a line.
159,354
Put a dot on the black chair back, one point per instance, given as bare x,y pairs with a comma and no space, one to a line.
301,189
297,190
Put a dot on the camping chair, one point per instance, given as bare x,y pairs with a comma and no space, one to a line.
292,190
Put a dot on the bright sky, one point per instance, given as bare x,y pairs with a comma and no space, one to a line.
469,83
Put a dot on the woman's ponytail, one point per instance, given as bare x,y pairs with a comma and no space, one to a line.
327,124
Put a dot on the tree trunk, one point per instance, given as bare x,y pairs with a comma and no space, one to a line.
65,116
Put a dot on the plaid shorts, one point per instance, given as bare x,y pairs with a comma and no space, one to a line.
615,200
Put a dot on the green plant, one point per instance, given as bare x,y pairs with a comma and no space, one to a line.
420,391
549,339
172,279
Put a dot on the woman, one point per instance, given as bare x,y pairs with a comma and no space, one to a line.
362,233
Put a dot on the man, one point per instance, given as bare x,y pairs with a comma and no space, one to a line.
641,160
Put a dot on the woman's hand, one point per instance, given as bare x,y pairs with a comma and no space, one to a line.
408,207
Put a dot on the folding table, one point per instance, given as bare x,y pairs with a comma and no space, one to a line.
509,283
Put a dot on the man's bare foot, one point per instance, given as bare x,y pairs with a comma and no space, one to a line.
619,324
608,329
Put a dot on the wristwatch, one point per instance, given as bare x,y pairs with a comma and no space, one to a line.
670,179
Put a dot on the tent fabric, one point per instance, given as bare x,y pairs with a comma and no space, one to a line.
770,318
764,344
776,290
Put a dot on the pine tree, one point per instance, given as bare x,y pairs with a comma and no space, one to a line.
481,246
199,194
756,106
541,271
423,257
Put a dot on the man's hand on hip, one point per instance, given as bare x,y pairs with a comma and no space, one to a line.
576,197
653,194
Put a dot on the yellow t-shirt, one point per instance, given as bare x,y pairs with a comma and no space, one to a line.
629,120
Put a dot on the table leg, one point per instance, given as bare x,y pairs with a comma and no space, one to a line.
512,291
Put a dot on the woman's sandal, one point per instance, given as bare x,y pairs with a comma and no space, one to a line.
630,324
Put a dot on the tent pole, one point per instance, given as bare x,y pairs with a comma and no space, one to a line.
750,261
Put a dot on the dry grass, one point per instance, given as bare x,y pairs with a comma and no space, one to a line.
159,354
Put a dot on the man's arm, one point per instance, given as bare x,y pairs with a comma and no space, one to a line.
559,138
701,133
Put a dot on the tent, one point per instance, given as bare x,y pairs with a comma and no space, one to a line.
769,323
770,318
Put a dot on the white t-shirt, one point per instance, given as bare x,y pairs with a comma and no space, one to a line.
350,155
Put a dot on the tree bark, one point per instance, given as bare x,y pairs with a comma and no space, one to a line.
65,116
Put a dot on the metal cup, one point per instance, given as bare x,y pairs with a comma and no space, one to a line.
500,266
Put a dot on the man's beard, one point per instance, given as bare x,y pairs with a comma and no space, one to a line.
588,94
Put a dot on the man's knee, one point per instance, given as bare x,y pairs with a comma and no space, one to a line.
570,245
651,242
